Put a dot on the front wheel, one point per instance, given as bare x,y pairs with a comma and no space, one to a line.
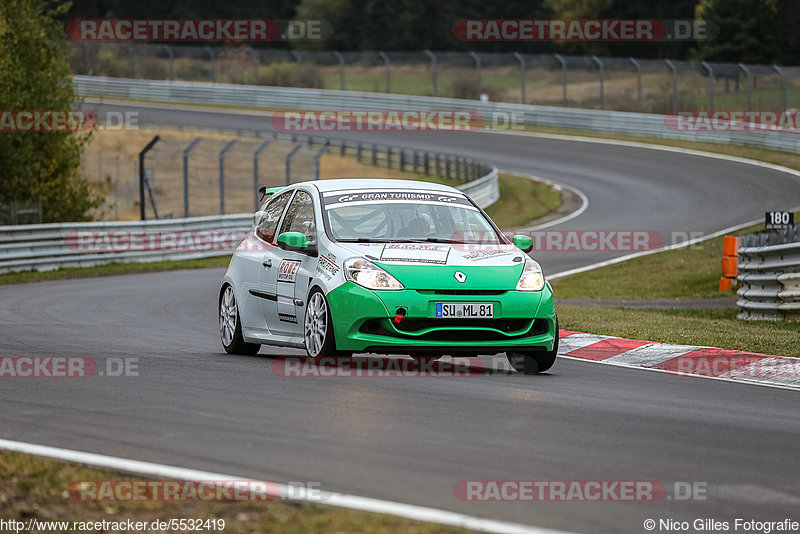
230,326
317,327
532,363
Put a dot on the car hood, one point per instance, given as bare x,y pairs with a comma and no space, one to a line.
434,265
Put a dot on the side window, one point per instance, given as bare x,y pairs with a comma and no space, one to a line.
266,229
300,217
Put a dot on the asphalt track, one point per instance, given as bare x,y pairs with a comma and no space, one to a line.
412,439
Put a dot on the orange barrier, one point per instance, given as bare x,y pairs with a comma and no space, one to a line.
730,262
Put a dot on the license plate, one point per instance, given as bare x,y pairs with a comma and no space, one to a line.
464,310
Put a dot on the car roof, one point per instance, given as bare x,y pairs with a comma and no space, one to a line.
344,184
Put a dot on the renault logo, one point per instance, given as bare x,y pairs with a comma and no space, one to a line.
461,277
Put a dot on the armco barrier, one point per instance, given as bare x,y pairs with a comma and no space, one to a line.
770,275
321,99
42,247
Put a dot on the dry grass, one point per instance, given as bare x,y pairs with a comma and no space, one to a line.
111,150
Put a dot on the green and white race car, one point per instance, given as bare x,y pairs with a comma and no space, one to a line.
385,266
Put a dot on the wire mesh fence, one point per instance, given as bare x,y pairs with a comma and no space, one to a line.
623,84
194,175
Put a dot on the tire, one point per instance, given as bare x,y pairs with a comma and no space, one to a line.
317,327
531,363
230,326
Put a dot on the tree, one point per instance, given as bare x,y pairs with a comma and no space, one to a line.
750,31
36,76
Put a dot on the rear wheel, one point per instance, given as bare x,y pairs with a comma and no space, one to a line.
230,327
532,363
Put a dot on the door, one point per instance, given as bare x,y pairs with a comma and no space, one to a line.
293,275
263,296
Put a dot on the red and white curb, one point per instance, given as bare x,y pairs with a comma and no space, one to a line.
683,360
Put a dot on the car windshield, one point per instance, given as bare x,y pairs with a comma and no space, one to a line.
387,216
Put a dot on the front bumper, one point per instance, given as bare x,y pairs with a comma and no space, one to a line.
362,322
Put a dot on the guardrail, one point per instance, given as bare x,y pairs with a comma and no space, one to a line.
319,99
769,270
43,247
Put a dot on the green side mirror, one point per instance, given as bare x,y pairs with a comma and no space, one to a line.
293,240
523,242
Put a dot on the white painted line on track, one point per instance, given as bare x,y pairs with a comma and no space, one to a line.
339,500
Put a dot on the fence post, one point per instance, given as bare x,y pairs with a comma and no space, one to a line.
131,61
477,60
142,154
710,85
638,81
212,72
434,72
186,175
317,158
674,70
563,78
289,163
748,83
256,184
87,58
783,84
521,73
222,176
388,64
340,58
171,55
602,73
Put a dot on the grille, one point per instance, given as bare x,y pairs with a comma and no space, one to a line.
463,292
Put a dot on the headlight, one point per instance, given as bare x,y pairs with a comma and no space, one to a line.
531,278
367,274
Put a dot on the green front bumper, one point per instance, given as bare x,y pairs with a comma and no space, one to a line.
362,322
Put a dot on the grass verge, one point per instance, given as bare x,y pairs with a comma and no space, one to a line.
112,269
33,487
522,201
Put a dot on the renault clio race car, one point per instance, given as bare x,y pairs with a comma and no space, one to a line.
386,266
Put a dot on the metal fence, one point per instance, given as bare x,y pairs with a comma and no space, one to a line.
15,212
622,84
769,270
203,176
320,99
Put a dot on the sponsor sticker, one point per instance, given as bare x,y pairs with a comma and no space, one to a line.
418,253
